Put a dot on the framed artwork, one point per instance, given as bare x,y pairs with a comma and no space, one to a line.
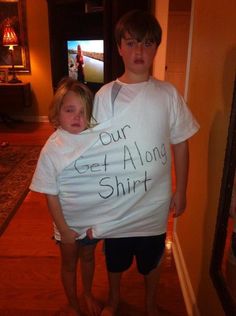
3,75
14,11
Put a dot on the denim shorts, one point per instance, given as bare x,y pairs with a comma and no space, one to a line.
88,242
84,242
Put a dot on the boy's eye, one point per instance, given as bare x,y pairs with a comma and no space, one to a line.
148,43
145,43
130,43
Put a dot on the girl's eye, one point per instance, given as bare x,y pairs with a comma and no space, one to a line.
69,110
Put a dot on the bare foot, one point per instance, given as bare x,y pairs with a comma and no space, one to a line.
69,311
109,311
153,311
93,307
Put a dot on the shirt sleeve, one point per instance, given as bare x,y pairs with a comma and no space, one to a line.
45,176
183,125
102,105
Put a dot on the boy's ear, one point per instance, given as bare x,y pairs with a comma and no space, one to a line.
119,50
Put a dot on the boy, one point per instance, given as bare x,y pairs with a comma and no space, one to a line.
166,119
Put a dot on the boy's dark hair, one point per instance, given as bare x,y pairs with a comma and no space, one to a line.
139,24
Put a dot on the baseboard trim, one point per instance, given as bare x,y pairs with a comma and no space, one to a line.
185,283
41,119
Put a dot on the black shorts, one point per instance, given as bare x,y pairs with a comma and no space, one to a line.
147,250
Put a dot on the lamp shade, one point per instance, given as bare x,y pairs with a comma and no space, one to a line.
9,36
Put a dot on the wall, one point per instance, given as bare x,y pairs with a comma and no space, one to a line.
161,12
40,77
212,71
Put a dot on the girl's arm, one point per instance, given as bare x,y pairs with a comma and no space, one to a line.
55,210
181,161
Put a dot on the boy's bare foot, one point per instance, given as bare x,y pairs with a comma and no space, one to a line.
153,311
109,311
93,307
69,311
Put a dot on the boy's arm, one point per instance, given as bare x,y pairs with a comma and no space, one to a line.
181,162
54,206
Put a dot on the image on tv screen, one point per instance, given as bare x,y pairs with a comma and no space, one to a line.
86,60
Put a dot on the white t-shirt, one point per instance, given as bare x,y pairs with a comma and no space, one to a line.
116,177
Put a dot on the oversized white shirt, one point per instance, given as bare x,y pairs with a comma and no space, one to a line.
116,177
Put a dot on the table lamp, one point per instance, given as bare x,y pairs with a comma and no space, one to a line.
10,39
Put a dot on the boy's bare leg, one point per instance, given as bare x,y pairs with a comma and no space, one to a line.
69,259
87,263
114,294
151,281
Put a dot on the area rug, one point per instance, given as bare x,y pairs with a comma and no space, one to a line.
17,164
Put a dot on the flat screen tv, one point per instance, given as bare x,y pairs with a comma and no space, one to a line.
87,66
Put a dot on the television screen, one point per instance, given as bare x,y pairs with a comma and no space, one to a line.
86,60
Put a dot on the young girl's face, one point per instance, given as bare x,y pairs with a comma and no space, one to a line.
72,116
137,56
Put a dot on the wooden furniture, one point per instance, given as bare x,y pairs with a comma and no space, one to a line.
14,96
13,99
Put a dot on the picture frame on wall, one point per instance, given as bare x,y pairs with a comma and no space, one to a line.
14,11
3,75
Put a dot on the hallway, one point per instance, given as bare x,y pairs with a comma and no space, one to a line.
29,261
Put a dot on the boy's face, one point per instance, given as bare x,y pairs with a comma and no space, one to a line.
137,56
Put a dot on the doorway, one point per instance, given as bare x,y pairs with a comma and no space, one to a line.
177,42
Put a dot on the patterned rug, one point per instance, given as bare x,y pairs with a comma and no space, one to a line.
17,164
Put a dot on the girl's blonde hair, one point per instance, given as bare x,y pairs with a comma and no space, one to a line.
65,85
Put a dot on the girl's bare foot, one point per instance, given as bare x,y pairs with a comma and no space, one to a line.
93,307
69,311
109,311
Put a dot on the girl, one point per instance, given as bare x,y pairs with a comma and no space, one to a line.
80,64
55,176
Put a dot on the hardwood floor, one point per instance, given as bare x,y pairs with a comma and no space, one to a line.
29,260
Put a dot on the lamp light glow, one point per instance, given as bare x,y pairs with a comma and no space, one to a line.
9,36
10,39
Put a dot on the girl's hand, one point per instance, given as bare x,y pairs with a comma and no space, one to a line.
89,233
69,236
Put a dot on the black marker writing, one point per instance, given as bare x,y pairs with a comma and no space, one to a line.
115,186
107,138
155,154
94,167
